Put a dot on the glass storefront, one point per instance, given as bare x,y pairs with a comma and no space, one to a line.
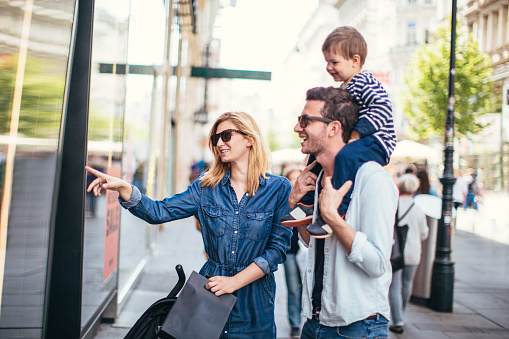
34,54
125,136
141,133
105,132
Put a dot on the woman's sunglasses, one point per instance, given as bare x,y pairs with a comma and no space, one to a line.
225,135
305,119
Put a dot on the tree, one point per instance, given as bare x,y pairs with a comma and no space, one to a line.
426,100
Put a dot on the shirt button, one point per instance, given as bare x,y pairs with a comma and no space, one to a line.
233,252
236,212
225,332
235,232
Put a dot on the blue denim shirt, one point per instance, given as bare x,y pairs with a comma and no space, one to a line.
235,234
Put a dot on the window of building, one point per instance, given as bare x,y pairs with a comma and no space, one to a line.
411,33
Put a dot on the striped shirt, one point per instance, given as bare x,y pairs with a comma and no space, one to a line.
375,114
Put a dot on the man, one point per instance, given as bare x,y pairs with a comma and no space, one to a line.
346,285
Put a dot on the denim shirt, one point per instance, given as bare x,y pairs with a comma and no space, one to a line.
235,234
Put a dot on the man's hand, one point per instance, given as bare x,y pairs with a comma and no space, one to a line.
306,182
330,199
220,285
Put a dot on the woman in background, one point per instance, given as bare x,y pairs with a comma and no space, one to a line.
402,280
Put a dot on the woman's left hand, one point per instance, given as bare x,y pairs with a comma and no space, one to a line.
220,285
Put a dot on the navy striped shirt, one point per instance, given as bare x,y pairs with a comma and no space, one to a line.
375,114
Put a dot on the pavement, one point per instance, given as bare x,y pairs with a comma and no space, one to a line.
481,294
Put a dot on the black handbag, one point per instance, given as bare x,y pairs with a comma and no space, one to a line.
398,246
197,313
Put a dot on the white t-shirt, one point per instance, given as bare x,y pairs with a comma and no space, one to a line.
417,229
460,188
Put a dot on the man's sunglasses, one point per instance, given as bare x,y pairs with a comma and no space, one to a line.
305,119
225,135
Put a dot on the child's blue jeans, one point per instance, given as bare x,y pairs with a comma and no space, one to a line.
348,160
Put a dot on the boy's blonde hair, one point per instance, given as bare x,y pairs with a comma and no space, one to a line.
258,162
346,41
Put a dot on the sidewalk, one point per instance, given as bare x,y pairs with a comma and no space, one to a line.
481,308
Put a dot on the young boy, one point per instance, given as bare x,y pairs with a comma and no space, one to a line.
373,137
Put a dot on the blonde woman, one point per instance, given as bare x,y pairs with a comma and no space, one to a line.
239,207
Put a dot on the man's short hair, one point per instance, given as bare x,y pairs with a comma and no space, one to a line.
338,106
346,41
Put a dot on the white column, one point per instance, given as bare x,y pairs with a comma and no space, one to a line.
475,30
506,15
489,43
481,33
500,27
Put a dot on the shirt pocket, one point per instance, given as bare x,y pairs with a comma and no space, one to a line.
215,220
257,225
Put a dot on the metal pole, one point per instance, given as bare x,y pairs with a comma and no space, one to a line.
442,282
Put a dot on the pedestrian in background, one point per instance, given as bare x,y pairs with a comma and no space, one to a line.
239,206
424,182
473,193
402,280
292,272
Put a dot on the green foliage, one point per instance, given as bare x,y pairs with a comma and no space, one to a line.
425,103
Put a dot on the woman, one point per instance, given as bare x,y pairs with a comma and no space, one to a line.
402,280
239,207
424,183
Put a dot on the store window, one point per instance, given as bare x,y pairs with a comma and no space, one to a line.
34,43
105,132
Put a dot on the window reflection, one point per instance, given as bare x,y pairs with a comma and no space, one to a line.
105,130
34,49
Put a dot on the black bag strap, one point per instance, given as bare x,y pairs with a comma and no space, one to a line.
404,214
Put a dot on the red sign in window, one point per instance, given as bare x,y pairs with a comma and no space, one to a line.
112,228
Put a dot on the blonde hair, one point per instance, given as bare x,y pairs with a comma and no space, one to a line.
408,184
258,162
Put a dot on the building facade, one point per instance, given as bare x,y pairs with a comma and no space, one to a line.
488,22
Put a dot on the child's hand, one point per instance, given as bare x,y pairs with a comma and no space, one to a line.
354,136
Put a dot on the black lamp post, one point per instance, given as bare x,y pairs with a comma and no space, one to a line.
442,282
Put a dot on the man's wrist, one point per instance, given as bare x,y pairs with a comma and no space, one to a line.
333,218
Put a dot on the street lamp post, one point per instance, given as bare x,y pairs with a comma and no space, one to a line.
442,282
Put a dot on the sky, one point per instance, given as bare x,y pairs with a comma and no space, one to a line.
258,34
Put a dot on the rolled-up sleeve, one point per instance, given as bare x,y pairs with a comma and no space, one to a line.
133,200
371,247
280,236
178,206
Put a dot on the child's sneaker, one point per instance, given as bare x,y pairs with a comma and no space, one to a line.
301,215
319,229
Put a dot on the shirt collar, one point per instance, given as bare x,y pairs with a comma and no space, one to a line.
228,174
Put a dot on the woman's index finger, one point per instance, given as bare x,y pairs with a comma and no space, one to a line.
94,172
